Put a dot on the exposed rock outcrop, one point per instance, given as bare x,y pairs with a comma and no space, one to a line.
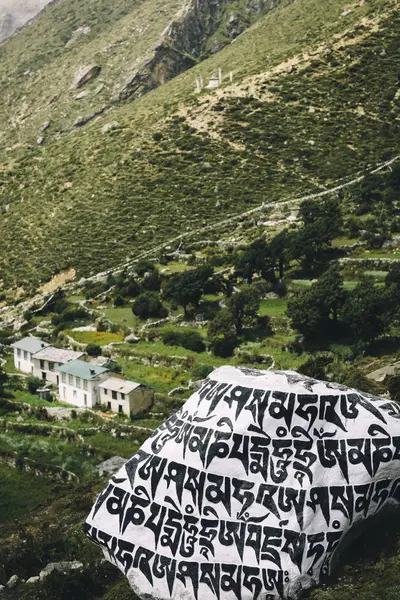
86,74
185,41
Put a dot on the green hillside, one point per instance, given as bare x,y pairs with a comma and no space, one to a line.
314,98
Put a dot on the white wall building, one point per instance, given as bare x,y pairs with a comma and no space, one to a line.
79,383
47,361
125,396
24,350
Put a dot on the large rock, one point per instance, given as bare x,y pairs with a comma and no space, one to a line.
86,74
62,567
251,490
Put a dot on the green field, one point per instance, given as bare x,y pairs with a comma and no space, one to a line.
21,492
101,338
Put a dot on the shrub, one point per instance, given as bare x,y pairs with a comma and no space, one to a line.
33,384
189,339
93,350
201,371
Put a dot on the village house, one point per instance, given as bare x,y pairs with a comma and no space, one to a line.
79,383
124,396
47,361
24,350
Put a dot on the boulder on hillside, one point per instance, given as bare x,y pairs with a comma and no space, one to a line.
62,567
252,489
111,466
86,74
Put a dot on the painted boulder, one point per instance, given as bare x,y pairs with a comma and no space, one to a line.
250,491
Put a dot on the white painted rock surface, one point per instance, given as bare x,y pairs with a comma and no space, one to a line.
248,491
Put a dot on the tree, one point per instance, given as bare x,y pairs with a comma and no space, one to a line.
279,251
322,222
3,381
188,287
149,305
314,312
254,259
144,266
244,306
222,333
93,350
364,311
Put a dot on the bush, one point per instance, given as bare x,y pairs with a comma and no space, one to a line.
394,387
189,339
33,384
201,371
93,350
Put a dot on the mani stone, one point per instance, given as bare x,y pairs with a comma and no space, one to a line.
251,490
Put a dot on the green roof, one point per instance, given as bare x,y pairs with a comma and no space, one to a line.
30,344
80,368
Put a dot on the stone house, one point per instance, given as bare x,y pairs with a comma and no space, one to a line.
47,361
124,396
24,350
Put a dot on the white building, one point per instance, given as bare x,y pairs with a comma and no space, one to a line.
49,359
79,383
125,396
24,351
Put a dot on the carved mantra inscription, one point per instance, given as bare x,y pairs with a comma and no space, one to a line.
247,492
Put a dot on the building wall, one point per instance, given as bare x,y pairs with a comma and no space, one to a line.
23,362
71,393
135,402
51,376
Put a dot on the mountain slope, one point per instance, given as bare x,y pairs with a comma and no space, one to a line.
314,98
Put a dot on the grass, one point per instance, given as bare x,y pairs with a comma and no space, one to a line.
21,492
34,400
275,307
122,316
101,338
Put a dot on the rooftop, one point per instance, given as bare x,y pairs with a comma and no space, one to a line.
80,368
60,355
30,344
119,385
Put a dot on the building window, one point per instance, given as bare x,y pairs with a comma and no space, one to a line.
105,391
74,393
63,378
25,355
51,366
19,352
43,376
122,396
78,382
109,405
85,399
70,380
114,395
85,386
42,365
120,408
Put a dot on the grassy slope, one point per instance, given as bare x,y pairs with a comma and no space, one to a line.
92,201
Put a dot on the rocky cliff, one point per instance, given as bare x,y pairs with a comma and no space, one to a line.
199,29
14,14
